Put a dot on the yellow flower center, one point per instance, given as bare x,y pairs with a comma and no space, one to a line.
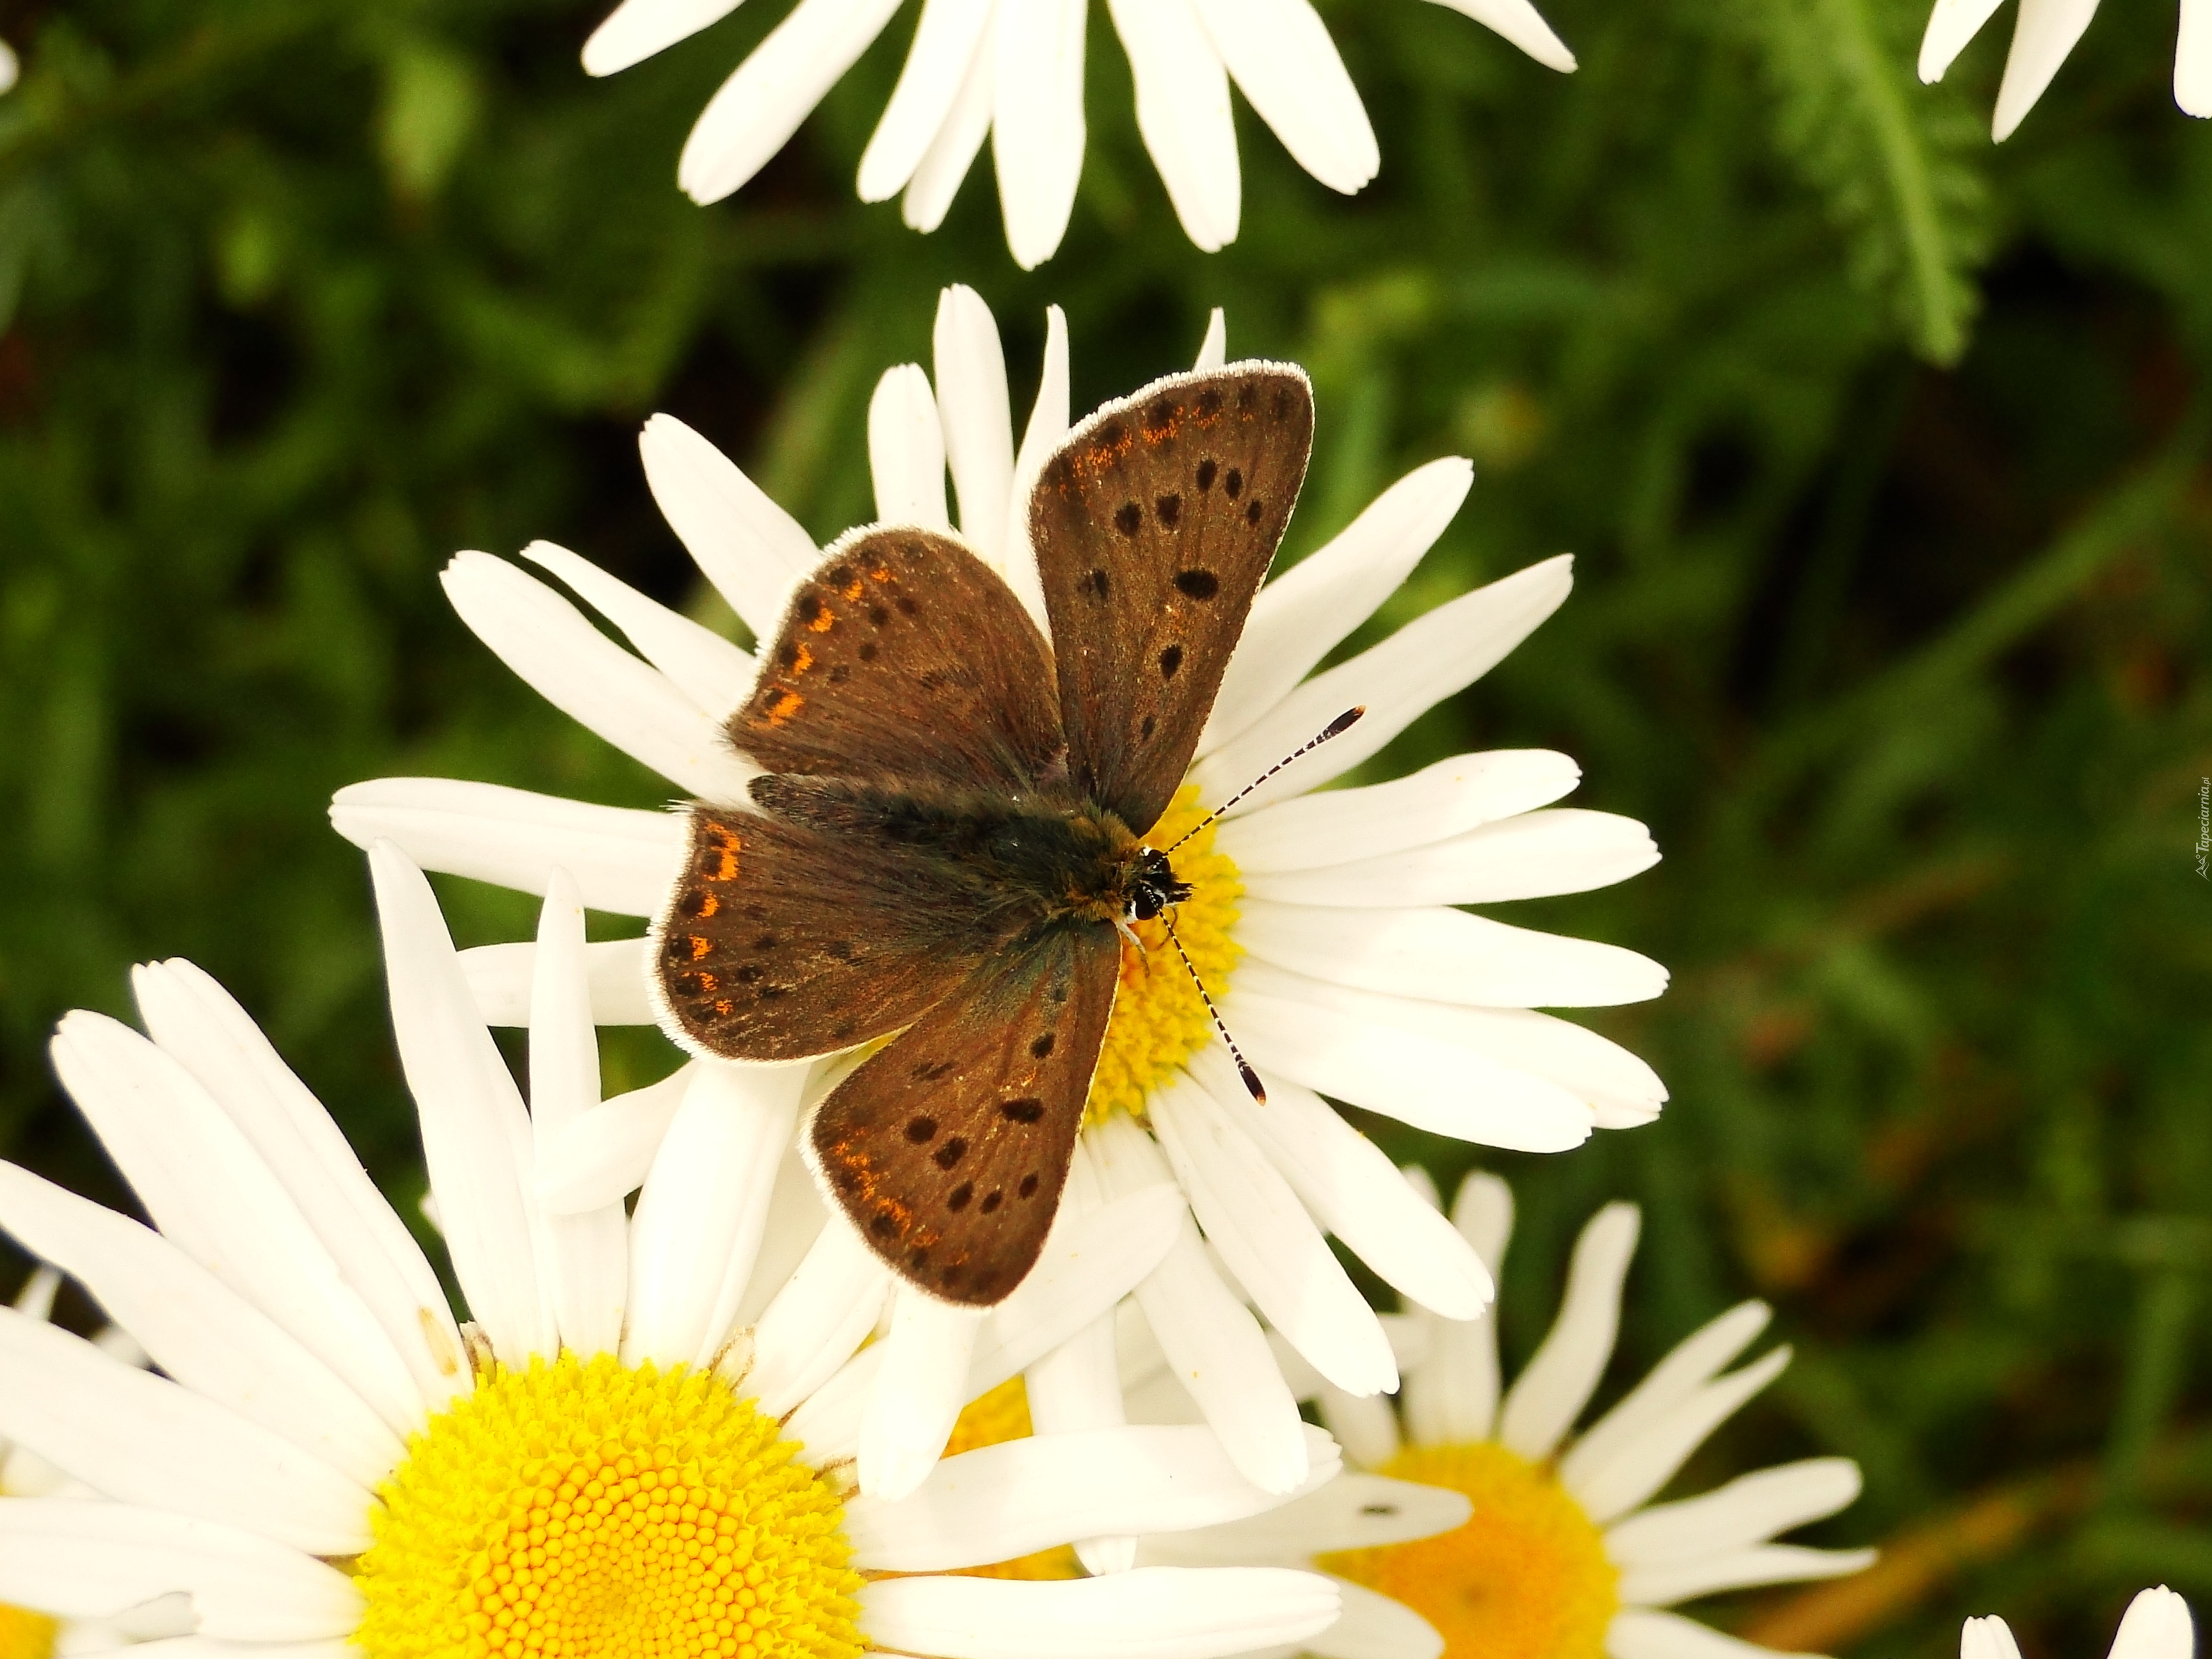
1526,1577
990,1419
1160,1020
24,1634
589,1510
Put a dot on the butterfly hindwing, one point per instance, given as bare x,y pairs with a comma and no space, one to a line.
780,941
904,655
949,1149
1153,524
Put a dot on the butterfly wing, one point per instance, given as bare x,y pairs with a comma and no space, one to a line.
782,941
949,1149
904,655
1153,524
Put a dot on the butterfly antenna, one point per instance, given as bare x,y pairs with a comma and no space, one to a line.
1244,1068
1336,728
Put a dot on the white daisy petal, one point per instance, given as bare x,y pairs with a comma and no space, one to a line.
953,151
1213,1346
1446,956
1558,1382
703,666
1338,827
751,549
209,1647
475,1134
1183,114
1374,1626
1951,25
1154,1612
2192,59
1048,427
817,1321
623,861
615,975
199,1024
1739,1569
1037,123
979,424
2156,1626
1077,1387
1213,350
1350,1186
548,643
1692,1363
906,450
704,1204
757,109
1089,1264
1030,1494
1353,1511
83,1558
1332,1041
1251,1215
796,1216
588,1261
945,42
1647,1634
1642,1470
1534,855
1398,680
1987,1638
637,29
141,1439
918,1393
2041,38
196,1328
1300,616
211,1195
1750,1510
1284,61
1365,1425
1521,23
607,1152
1617,1087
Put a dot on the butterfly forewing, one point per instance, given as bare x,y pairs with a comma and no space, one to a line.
780,942
1153,525
904,655
949,1149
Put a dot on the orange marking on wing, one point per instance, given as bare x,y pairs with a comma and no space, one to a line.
786,704
802,662
700,944
881,573
726,1008
854,590
824,621
725,851
709,904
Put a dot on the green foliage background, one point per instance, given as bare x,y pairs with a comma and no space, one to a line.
1883,452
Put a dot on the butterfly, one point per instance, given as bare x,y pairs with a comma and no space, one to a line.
949,832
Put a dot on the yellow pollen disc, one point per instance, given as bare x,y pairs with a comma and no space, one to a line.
588,1511
1160,1020
24,1634
1526,1577
991,1420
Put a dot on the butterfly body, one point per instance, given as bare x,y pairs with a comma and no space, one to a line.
948,836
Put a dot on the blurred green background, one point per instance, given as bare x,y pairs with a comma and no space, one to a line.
1883,452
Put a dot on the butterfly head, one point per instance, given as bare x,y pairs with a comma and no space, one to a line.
1153,885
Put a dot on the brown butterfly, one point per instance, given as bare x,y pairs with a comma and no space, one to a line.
952,826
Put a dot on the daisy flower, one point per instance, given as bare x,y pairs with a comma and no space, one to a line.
1557,1550
2156,1626
11,68
1014,72
2042,36
333,1464
1322,921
